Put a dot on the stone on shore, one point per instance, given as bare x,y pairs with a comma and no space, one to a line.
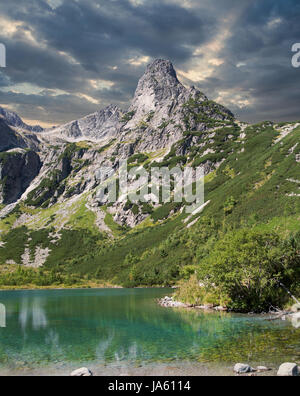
170,302
261,369
82,372
295,318
288,370
241,368
295,308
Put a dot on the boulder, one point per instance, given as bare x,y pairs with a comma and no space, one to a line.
261,369
82,372
296,320
241,368
295,308
288,370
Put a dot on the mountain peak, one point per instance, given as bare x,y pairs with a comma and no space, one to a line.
162,67
159,74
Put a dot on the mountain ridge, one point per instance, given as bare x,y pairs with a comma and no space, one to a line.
12,119
251,178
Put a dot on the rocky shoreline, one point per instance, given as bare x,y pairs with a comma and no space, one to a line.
240,369
293,315
169,302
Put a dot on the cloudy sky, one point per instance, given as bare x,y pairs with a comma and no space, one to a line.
68,58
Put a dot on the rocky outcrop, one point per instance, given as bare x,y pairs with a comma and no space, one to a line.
14,120
159,115
18,168
241,368
162,109
102,125
82,372
288,370
9,139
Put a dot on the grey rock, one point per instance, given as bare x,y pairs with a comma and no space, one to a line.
158,113
295,318
104,124
82,372
241,368
14,120
262,369
288,370
18,168
295,308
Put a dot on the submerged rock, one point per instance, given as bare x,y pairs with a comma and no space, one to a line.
82,372
288,370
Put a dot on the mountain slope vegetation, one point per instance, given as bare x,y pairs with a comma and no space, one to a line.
58,232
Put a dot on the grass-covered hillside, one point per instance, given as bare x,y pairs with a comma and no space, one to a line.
247,231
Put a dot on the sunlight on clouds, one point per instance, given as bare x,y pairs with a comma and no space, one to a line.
69,57
207,57
9,27
136,3
54,3
38,122
101,84
139,60
234,99
88,98
31,89
274,23
183,3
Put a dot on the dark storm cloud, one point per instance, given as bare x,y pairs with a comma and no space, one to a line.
64,44
261,42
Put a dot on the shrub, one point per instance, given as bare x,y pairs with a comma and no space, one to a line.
246,266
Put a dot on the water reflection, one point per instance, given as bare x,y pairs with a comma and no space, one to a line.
127,326
32,313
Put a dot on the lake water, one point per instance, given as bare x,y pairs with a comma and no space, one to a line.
111,327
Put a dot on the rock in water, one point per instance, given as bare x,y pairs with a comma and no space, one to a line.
288,370
82,372
241,368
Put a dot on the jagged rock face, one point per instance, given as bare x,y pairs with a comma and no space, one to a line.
14,120
10,139
158,116
102,125
157,91
18,168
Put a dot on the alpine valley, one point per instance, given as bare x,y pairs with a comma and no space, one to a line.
236,252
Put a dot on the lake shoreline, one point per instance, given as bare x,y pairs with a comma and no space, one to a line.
184,368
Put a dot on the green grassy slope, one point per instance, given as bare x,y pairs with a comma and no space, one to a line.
252,188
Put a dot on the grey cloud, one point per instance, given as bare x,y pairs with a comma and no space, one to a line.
100,35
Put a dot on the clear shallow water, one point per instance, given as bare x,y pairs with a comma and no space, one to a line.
126,326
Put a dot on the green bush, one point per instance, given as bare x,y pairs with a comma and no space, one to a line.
246,268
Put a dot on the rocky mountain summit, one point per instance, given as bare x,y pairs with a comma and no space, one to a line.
49,181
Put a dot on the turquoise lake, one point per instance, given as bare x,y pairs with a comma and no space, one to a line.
126,326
